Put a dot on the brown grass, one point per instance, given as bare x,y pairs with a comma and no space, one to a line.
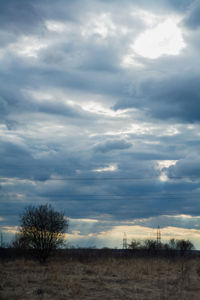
139,279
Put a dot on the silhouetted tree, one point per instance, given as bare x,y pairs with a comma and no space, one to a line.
134,245
173,244
183,246
19,242
150,245
41,229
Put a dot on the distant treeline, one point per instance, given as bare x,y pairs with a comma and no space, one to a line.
173,247
90,254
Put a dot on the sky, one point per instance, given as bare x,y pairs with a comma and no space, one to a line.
100,117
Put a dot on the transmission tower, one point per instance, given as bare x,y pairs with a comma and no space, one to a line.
125,245
158,236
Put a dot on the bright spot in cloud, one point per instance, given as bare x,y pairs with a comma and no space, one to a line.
162,164
164,39
147,17
83,220
98,108
130,61
55,26
38,95
109,168
165,164
28,46
100,25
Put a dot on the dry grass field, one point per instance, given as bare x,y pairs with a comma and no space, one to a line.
109,278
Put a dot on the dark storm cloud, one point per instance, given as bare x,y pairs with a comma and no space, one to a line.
162,5
19,16
187,167
176,98
165,220
124,200
113,145
60,109
3,108
169,98
86,132
101,59
18,162
180,5
192,19
82,80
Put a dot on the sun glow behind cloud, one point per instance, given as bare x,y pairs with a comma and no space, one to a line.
162,165
89,232
113,236
164,39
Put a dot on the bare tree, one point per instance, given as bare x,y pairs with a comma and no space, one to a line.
150,245
42,229
135,245
173,244
183,246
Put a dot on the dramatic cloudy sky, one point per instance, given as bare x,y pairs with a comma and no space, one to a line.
100,116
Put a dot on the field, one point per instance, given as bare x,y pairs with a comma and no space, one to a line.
105,278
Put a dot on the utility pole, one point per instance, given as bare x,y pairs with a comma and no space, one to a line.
125,245
158,237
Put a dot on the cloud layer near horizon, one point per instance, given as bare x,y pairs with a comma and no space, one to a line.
88,123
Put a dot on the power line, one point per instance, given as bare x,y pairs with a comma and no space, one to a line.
133,197
98,178
154,194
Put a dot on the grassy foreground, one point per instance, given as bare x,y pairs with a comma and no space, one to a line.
110,278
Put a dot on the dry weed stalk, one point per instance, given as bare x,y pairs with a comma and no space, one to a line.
136,278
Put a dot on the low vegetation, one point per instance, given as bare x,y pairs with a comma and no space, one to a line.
102,278
148,270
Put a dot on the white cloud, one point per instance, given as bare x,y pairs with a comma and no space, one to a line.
56,26
28,46
147,17
109,168
164,164
165,39
100,109
100,25
83,220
